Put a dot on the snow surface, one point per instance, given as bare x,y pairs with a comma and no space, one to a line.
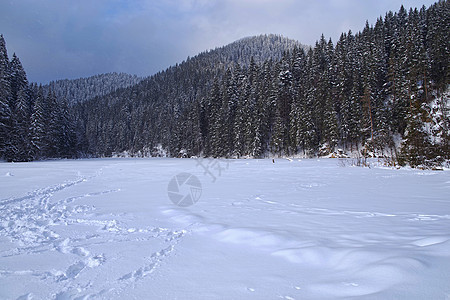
293,229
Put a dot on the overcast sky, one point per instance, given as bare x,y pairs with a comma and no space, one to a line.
57,39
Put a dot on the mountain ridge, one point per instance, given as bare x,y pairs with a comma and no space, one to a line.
370,94
381,92
260,47
84,88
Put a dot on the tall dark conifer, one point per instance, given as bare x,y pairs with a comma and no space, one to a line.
38,126
5,99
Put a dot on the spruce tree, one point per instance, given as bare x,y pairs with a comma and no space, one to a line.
18,79
5,99
21,140
67,136
416,149
38,127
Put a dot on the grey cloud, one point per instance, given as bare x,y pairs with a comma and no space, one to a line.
68,39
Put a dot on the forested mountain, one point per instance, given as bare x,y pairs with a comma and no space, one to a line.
82,89
144,116
260,48
38,122
383,91
380,91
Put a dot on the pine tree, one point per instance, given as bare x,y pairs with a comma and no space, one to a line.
38,127
67,136
21,134
264,103
227,114
20,103
284,92
54,126
5,99
249,114
351,119
302,130
177,130
377,74
260,123
297,109
239,119
193,134
18,79
216,148
417,148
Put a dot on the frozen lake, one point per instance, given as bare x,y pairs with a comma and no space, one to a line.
293,229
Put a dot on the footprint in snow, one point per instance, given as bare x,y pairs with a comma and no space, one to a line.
72,271
27,296
80,251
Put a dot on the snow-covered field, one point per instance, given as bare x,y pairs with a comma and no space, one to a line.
309,229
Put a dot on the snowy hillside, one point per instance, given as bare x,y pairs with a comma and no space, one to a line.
310,229
82,89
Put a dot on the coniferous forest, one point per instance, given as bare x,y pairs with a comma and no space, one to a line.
383,92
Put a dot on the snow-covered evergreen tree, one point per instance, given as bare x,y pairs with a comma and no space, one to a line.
5,99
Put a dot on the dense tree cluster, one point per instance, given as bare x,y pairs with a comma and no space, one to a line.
33,124
368,93
147,115
383,91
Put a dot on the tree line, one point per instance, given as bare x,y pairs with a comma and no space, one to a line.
33,124
382,91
